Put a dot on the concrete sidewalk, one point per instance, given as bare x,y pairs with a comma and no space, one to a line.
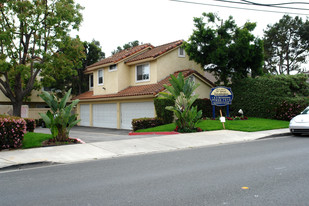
109,149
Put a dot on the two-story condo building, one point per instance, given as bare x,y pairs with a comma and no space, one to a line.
123,86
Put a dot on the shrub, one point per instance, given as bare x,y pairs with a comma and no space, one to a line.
12,130
165,115
30,124
289,108
144,123
263,96
60,119
206,107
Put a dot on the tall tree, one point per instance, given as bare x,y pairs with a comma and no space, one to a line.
62,76
32,31
221,47
126,46
285,45
61,71
93,53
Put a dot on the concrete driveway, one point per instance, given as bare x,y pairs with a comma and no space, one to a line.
95,134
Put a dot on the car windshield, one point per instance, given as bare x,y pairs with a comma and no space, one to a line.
306,111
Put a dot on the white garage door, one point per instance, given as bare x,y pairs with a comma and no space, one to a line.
84,115
131,111
104,115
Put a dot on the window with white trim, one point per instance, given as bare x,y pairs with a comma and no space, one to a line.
181,52
113,67
142,72
100,77
90,80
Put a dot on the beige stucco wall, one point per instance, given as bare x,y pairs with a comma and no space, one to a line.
109,82
34,112
153,74
124,72
203,90
171,63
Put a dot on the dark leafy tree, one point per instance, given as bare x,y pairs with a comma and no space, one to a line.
60,79
223,48
93,53
286,45
126,46
32,34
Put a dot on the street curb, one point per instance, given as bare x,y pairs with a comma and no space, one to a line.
275,135
152,133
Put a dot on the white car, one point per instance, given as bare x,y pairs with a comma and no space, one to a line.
300,124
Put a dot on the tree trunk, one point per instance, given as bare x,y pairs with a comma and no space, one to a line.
17,108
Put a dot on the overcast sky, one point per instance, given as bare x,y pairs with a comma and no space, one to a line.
116,22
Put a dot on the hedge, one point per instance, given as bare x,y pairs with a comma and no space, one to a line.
30,124
270,96
165,115
12,130
144,123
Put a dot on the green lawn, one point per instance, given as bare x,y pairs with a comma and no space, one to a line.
250,125
32,139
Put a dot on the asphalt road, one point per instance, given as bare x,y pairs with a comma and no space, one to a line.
264,172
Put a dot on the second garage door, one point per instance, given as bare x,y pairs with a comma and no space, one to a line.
104,115
131,111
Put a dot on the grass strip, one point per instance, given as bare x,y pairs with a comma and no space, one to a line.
250,125
32,139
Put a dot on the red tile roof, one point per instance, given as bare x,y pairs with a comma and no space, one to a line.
120,55
149,89
156,51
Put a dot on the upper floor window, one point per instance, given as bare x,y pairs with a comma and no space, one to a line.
100,76
142,72
181,52
91,80
113,67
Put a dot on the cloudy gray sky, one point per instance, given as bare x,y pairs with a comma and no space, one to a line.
116,22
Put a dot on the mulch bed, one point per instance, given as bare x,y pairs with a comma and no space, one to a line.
52,142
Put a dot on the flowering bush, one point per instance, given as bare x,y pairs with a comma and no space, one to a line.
12,130
186,130
288,109
30,124
237,118
144,123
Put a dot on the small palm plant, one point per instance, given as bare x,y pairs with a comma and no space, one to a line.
182,91
60,119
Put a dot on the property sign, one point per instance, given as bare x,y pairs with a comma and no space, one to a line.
221,96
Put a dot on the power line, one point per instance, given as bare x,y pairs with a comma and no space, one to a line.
233,7
249,3
285,3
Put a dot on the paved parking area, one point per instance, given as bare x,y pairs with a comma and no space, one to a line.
95,134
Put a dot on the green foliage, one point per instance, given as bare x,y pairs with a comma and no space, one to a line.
187,116
286,45
264,96
12,130
126,46
181,91
165,115
34,36
178,85
221,47
60,119
144,123
30,124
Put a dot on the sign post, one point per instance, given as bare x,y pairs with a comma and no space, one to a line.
221,96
